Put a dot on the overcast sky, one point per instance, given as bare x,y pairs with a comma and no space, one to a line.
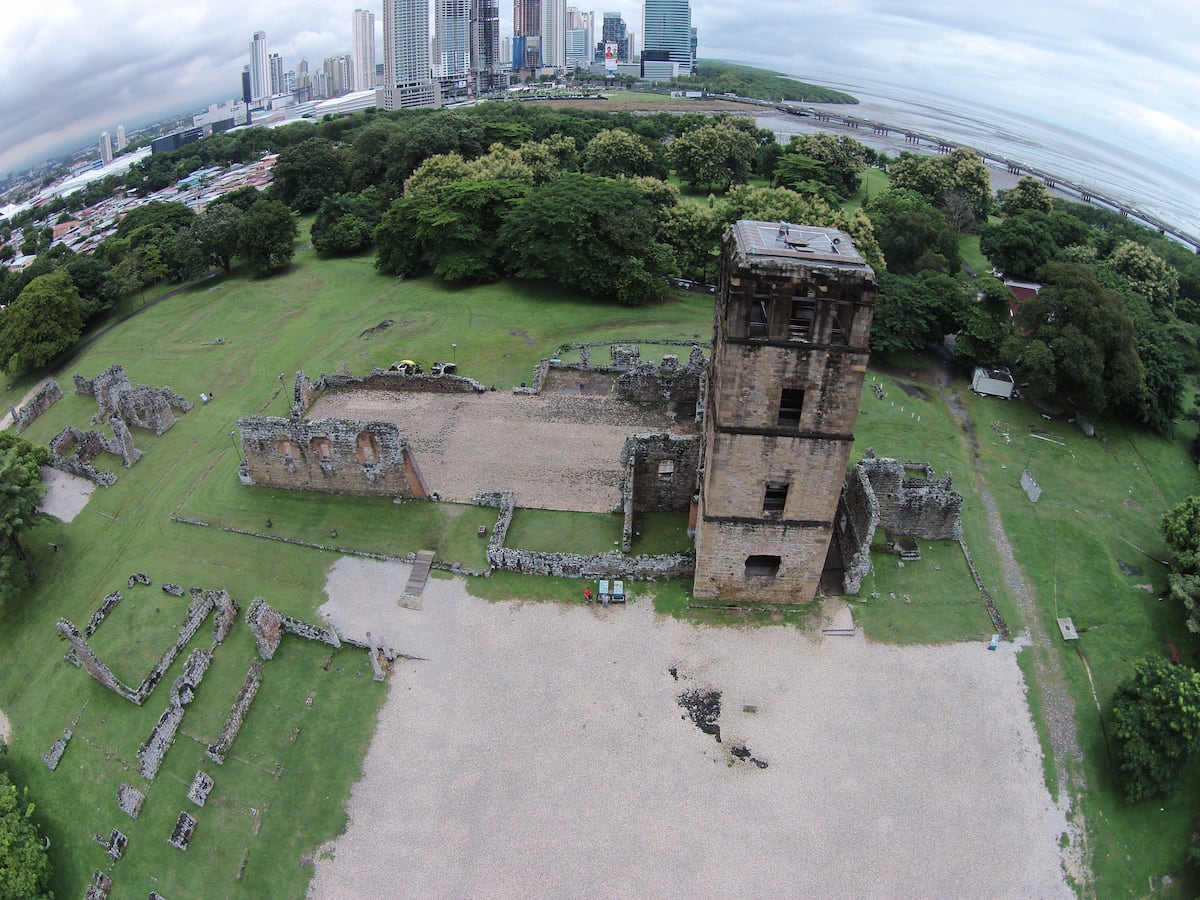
1125,72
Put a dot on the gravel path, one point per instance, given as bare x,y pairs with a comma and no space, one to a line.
1057,703
538,750
5,728
555,451
66,494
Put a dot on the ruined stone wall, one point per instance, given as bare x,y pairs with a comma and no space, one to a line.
913,501
727,546
664,471
335,456
219,749
599,565
49,394
142,406
904,498
74,451
306,391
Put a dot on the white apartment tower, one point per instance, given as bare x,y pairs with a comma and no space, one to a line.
363,75
105,148
122,143
554,34
406,73
260,69
275,62
452,36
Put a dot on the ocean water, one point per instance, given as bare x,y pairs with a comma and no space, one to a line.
1105,169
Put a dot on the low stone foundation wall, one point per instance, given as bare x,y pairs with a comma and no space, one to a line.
306,391
73,451
218,750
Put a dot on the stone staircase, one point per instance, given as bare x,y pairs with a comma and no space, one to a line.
411,598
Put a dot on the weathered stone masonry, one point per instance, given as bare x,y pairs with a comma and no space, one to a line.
142,406
791,328
905,498
335,456
49,394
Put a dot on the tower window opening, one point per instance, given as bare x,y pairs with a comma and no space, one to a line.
775,497
762,566
759,318
800,324
791,405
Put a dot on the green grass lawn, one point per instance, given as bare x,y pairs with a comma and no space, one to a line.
276,799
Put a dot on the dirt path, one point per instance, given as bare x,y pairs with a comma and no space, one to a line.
1057,704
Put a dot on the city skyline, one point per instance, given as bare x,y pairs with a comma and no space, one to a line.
1107,71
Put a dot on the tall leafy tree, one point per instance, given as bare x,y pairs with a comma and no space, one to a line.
45,320
21,490
1086,337
1155,726
716,155
912,234
843,158
592,233
266,237
24,863
1029,193
617,151
307,173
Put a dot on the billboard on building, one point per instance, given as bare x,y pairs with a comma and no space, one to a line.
610,57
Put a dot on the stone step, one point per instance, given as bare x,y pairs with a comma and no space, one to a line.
416,580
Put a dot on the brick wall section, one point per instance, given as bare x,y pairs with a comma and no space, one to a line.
749,443
336,456
49,394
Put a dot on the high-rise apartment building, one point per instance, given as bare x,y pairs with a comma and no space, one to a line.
578,49
666,39
362,73
613,32
122,143
105,148
337,73
554,33
275,64
452,40
260,69
485,45
527,34
407,80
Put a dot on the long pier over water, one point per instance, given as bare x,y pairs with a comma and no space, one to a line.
941,145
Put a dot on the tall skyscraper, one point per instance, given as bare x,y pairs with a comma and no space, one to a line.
363,74
275,63
527,34
666,39
260,68
613,32
578,53
485,45
122,143
406,74
452,39
337,74
554,32
105,148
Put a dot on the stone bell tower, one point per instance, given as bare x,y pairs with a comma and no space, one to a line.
793,315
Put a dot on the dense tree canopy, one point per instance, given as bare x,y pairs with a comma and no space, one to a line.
913,312
1155,726
306,174
46,319
842,157
593,233
266,237
24,863
912,234
1082,339
616,151
1029,193
716,154
21,490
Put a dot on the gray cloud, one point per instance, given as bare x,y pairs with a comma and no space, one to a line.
1105,68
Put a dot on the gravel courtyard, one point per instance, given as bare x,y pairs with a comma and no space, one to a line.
554,450
538,750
